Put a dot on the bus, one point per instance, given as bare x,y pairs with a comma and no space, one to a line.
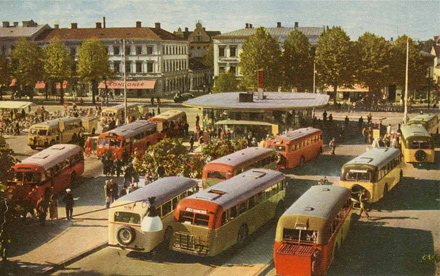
374,172
126,213
55,167
232,164
297,147
169,123
135,136
226,214
310,232
56,131
430,122
117,112
417,144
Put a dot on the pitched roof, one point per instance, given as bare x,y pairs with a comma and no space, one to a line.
16,32
107,33
279,32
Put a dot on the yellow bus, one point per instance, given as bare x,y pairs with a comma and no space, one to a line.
417,144
430,122
226,214
376,172
126,214
56,131
117,112
310,232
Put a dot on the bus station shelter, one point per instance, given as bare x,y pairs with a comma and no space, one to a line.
247,114
16,107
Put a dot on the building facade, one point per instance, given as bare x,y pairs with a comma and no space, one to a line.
199,40
156,61
227,46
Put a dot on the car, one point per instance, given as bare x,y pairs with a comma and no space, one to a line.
180,98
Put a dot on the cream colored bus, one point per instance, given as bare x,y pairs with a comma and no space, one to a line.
417,144
117,112
127,213
376,172
51,132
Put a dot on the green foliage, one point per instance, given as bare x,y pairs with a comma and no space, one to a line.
195,166
208,59
57,64
225,82
426,45
6,172
417,65
430,258
261,51
93,65
373,62
217,149
334,58
297,61
27,64
5,74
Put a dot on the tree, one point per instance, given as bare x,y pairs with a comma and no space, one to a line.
297,61
208,59
416,67
260,52
334,59
373,63
225,82
5,74
27,63
426,45
93,65
58,64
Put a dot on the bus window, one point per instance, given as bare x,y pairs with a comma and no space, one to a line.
186,217
115,143
166,208
202,220
126,217
103,142
174,203
279,148
299,235
217,175
357,176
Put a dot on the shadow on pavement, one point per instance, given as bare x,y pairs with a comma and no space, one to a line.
82,272
21,268
329,165
410,194
362,252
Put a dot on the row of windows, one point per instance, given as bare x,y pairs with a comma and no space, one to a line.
174,65
260,163
139,68
389,167
67,163
232,51
307,142
170,205
232,69
175,50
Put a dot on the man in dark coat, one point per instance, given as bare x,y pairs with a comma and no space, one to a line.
68,200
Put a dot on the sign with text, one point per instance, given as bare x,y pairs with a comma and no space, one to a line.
147,84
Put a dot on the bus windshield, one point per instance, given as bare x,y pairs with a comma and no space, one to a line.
195,219
114,143
278,148
300,235
28,177
216,175
357,175
38,131
103,142
127,217
419,145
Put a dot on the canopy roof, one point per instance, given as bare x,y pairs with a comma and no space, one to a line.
243,122
15,104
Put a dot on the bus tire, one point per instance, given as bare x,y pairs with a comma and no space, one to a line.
385,190
279,210
242,234
125,235
33,147
420,155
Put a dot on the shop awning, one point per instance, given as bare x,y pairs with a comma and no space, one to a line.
64,85
40,85
243,122
145,84
355,88
13,82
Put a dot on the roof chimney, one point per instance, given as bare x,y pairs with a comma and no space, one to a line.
74,25
247,25
138,24
56,26
296,25
98,25
392,39
186,29
5,24
15,24
157,25
278,24
103,22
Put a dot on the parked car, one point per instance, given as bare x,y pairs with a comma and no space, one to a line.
180,98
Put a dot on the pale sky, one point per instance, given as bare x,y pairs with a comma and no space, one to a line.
418,19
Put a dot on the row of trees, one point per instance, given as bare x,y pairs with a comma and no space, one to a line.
53,64
370,61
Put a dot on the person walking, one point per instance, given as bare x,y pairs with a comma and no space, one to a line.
197,119
41,207
114,190
107,194
69,201
53,207
191,143
332,145
362,200
324,116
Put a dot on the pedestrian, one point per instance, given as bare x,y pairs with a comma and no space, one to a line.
107,194
69,201
347,121
330,118
128,175
206,137
389,128
197,119
219,131
332,145
191,143
123,191
114,190
158,108
362,200
118,166
53,207
228,134
41,206
152,101
324,116
365,134
360,122
132,188
369,117
222,135
135,177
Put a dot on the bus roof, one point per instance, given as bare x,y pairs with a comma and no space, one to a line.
239,188
55,122
163,189
421,119
320,201
375,157
51,156
120,106
414,130
168,115
298,133
241,156
132,129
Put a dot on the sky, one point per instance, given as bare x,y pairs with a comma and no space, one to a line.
418,19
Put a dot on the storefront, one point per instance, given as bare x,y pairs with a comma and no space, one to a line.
135,89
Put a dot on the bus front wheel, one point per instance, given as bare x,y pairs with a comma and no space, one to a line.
242,234
125,235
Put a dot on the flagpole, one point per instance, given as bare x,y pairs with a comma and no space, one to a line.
405,115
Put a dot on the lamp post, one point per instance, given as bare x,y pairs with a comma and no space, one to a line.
314,76
125,82
406,83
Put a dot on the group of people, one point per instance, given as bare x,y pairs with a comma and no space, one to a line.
112,193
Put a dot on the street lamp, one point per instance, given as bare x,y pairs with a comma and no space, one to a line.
125,81
405,119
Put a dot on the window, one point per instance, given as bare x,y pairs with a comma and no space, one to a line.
149,50
300,235
216,175
149,67
232,51
128,67
117,66
138,67
116,50
357,176
73,51
166,208
233,69
202,220
221,69
221,51
126,217
138,50
127,50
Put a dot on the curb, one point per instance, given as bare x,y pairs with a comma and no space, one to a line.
74,259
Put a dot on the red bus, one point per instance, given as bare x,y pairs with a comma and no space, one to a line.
297,147
55,167
310,232
135,136
169,122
